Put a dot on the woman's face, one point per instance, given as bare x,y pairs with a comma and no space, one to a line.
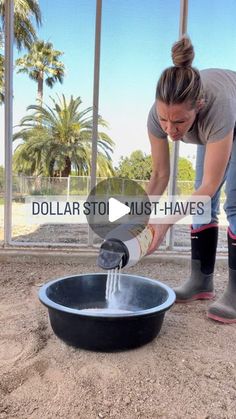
176,120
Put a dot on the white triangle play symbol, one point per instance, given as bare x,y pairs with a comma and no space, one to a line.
117,209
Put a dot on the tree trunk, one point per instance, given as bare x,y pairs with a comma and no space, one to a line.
51,168
40,87
67,169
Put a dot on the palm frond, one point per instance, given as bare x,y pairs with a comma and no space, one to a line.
61,133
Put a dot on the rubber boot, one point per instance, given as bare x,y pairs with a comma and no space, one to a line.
224,309
203,248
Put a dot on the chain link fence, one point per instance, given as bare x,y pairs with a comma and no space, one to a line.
74,185
77,185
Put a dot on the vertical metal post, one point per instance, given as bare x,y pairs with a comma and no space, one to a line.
8,110
123,187
88,185
68,188
95,103
175,152
183,17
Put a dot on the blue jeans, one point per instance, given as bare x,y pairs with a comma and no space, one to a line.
230,189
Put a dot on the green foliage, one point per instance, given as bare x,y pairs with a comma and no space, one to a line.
42,60
25,11
24,30
58,139
139,166
185,169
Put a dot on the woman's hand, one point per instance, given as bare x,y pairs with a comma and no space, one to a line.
160,231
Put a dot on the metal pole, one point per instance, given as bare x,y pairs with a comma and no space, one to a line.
175,152
68,188
183,17
8,110
95,103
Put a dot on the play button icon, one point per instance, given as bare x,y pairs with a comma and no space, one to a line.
115,202
117,210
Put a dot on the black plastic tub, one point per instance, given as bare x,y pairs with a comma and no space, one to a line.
140,307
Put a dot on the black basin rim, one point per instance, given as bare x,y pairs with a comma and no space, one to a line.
154,310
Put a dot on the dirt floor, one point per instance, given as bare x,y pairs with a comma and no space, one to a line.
188,371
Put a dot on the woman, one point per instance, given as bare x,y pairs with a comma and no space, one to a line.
199,108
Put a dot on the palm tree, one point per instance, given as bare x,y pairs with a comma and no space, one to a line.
24,11
61,141
42,60
24,31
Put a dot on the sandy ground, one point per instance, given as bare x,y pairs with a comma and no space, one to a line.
188,371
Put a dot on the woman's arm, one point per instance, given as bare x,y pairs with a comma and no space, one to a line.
216,159
160,165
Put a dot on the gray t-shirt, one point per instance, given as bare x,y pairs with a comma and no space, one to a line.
218,116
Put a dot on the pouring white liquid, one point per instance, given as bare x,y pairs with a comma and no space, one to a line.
113,287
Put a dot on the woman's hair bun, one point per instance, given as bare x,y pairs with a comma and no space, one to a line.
182,52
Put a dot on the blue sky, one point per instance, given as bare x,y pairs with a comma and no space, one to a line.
136,40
